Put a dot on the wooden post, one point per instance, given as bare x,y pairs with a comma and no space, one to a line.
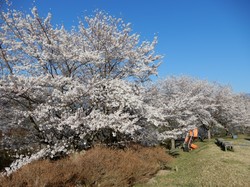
209,134
172,143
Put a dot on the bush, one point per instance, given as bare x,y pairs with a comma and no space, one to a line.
99,166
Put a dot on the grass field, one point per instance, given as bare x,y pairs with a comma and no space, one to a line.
208,166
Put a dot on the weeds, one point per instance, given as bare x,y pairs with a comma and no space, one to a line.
99,166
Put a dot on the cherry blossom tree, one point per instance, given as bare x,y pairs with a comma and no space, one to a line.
189,102
102,46
71,88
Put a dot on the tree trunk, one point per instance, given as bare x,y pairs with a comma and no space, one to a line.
172,143
209,134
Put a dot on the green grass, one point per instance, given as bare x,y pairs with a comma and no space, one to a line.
208,166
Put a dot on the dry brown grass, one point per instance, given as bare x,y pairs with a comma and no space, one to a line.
99,166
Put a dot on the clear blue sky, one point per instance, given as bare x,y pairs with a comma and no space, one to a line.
207,39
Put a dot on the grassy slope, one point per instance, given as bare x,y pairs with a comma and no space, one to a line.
209,166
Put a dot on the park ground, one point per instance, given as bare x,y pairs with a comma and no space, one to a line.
141,167
208,166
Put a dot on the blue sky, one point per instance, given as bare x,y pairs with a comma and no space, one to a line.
207,39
